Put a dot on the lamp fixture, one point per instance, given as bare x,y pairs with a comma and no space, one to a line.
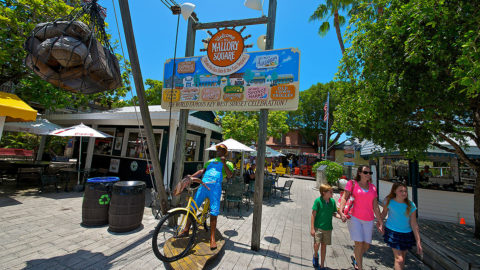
262,42
186,9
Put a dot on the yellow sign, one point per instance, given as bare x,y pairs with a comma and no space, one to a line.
171,95
270,169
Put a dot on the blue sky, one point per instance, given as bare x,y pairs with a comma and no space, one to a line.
154,28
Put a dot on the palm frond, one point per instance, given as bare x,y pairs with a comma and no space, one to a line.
341,20
320,13
323,29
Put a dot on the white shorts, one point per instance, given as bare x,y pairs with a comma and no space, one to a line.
360,230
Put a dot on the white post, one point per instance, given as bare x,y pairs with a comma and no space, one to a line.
41,147
91,146
172,134
2,122
208,139
326,130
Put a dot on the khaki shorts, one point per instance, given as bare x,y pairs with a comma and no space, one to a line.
322,236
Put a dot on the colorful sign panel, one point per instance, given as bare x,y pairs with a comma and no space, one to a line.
256,80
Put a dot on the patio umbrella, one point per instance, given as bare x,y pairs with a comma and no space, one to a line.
80,131
39,127
234,146
269,152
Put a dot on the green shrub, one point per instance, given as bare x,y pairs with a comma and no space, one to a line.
332,172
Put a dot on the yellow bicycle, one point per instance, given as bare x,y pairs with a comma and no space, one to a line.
166,243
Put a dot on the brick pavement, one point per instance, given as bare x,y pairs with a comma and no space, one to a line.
43,231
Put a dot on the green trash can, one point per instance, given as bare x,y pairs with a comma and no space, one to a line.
96,200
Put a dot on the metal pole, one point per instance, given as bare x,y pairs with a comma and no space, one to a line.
262,142
147,122
326,129
183,121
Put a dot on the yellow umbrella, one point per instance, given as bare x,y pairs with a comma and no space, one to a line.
13,109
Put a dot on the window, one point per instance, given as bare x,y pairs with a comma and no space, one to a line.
278,140
103,146
135,145
192,147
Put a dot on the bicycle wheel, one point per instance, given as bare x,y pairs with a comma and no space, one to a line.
166,246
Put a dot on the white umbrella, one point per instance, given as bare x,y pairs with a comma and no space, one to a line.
234,146
79,131
269,152
39,127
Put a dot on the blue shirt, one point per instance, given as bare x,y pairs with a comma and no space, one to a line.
397,220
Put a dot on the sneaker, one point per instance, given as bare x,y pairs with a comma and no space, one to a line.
315,262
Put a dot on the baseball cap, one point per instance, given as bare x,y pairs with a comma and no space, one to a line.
221,146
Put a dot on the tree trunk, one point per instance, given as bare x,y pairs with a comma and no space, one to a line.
476,205
339,34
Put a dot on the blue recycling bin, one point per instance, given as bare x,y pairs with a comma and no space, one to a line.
96,200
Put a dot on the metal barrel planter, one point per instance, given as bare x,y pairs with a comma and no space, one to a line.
96,200
127,206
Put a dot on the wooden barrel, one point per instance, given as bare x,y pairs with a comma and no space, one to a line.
96,200
127,205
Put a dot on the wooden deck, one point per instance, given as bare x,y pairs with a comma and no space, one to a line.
449,245
42,231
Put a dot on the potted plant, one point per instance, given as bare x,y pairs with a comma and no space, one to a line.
333,171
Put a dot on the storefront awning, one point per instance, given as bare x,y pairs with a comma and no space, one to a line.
15,109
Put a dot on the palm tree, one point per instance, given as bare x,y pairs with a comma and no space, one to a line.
325,11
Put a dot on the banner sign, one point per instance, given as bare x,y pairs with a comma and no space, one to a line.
226,80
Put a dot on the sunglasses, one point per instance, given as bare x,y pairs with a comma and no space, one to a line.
365,172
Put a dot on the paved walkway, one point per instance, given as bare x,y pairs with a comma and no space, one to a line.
42,231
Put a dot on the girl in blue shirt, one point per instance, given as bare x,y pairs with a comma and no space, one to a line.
401,229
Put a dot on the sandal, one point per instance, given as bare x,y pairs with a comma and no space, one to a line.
181,235
354,262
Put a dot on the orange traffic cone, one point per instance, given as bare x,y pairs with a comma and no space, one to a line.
462,221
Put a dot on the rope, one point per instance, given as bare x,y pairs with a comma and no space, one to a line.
154,197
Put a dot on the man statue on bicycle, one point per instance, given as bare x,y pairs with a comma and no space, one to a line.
214,171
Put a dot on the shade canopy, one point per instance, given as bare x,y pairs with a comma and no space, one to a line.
15,109
232,145
39,127
80,131
269,152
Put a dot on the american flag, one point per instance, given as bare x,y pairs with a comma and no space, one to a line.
325,108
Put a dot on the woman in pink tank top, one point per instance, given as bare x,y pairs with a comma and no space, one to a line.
365,209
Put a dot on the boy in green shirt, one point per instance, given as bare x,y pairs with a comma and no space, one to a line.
321,226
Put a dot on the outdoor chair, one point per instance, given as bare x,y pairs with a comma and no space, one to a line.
286,188
268,183
50,177
248,193
233,194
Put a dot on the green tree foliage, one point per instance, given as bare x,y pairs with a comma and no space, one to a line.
308,119
325,11
414,77
153,94
243,126
19,140
333,171
17,20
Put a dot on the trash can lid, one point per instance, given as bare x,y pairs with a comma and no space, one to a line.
104,179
